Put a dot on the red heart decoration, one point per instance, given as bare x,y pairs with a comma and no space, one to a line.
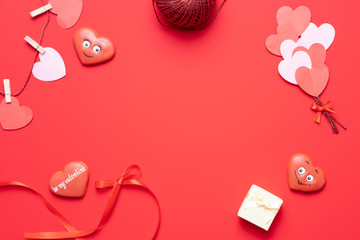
298,18
91,48
285,31
317,53
303,175
68,11
312,81
71,182
12,116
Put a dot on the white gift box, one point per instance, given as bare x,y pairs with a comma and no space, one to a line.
260,207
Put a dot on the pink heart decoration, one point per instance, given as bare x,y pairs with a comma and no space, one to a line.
285,31
298,18
312,81
323,34
51,66
12,116
317,53
68,11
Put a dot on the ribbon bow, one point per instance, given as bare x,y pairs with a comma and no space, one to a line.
257,200
129,177
319,109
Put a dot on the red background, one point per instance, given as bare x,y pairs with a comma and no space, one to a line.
205,114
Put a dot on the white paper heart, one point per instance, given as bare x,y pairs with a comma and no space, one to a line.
324,35
288,67
287,48
51,66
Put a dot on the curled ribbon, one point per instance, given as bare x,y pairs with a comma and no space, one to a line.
319,109
257,200
126,179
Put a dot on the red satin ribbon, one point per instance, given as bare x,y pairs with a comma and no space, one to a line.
127,178
319,109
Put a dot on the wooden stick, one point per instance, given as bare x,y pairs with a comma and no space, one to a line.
34,44
7,90
41,10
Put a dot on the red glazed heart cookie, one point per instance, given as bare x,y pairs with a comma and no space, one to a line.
303,175
71,182
91,48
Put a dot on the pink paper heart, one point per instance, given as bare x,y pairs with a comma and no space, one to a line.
285,31
51,66
298,18
12,116
312,81
68,11
317,53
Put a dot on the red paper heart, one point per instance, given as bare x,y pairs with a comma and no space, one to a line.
68,11
303,175
298,18
317,53
312,81
92,49
285,31
71,182
12,116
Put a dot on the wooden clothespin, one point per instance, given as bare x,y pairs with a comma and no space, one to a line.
7,90
40,10
35,44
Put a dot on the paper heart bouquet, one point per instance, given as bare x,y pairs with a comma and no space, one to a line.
303,47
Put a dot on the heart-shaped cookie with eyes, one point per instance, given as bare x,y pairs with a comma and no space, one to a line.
91,48
303,175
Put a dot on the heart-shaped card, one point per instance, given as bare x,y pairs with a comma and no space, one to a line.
324,35
51,66
287,67
13,116
284,32
298,18
312,81
316,52
68,11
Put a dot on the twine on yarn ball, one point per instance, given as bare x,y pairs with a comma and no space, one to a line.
186,14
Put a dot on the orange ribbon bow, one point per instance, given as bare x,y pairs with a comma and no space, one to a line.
319,109
126,179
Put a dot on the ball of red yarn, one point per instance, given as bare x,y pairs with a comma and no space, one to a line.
186,13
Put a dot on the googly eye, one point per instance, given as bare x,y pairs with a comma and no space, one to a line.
309,178
301,170
86,43
96,49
